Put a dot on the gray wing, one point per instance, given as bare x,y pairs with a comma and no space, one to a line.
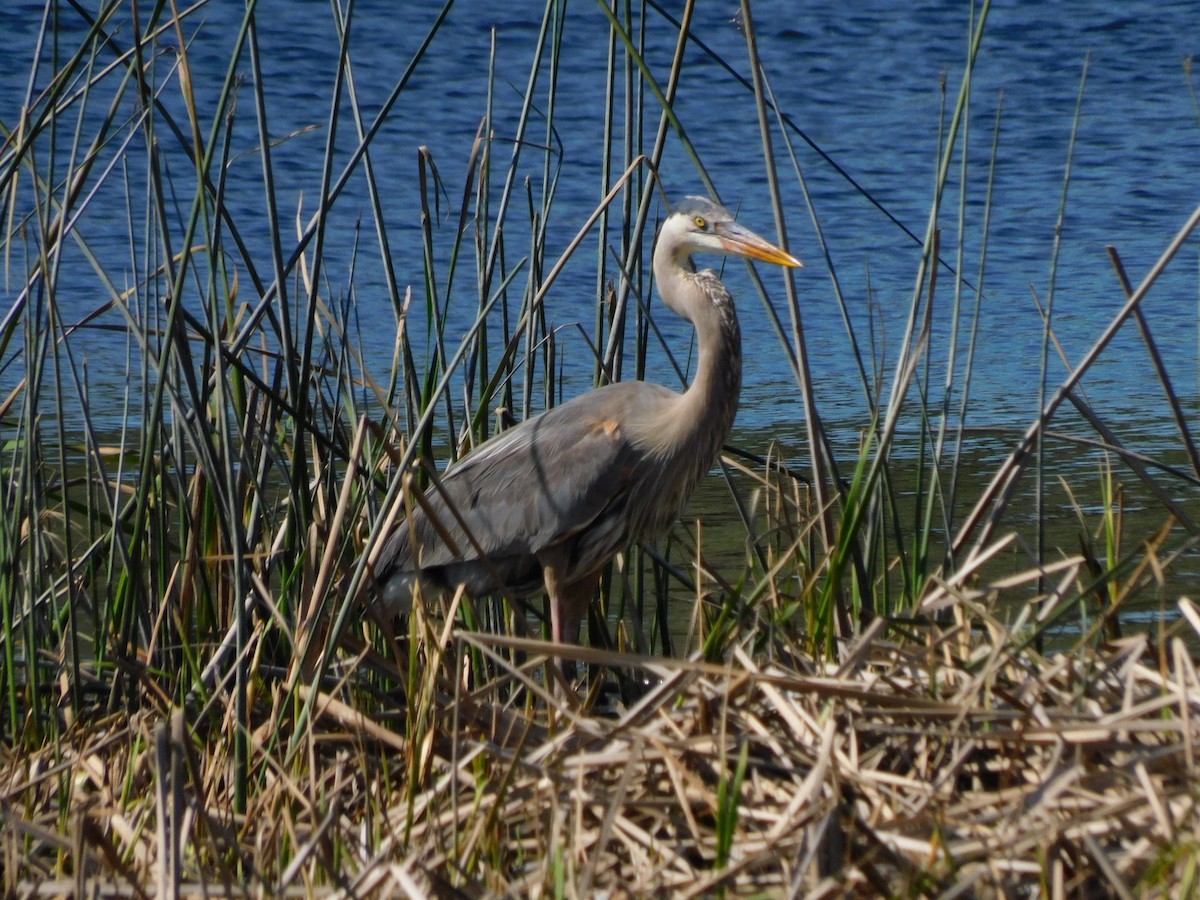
537,485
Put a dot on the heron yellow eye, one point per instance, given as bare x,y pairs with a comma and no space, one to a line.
700,223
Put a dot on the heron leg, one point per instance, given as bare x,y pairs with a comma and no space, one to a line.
569,600
575,598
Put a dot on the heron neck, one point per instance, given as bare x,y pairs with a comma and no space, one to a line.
713,394
708,406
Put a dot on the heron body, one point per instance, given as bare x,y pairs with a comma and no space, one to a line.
546,504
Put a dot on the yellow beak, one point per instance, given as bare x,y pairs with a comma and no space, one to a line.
744,242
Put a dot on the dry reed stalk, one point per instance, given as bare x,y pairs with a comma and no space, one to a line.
976,766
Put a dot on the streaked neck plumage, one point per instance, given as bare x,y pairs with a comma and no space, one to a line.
707,408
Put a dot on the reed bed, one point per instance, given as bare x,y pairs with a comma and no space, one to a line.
947,761
893,675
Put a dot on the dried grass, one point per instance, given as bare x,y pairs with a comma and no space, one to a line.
942,763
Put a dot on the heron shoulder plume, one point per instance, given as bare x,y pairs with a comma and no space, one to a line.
546,504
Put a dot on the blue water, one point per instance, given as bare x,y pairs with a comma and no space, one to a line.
861,80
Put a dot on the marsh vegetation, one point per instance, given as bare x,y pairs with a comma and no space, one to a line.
936,658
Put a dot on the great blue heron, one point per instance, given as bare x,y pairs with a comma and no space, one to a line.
547,503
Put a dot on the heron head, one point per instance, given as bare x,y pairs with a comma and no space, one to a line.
699,225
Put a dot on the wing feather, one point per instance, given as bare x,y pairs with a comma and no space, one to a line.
538,484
